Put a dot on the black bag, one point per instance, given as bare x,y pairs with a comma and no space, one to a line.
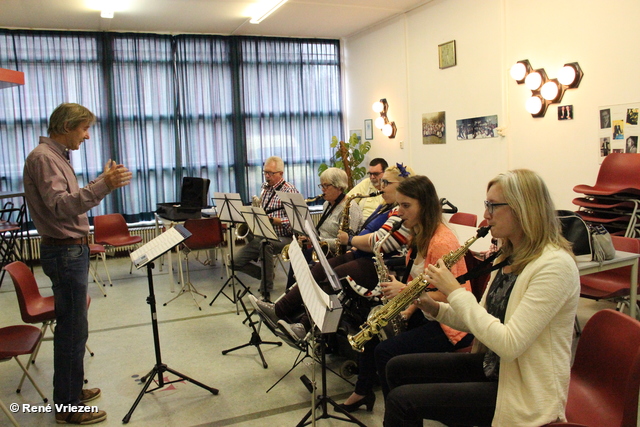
586,239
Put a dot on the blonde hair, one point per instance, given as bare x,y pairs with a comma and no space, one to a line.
399,170
529,199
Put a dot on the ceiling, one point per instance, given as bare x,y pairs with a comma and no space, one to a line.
296,18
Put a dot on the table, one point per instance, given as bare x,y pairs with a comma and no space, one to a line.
585,265
622,259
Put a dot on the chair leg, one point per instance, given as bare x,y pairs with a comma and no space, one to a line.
576,327
104,262
187,286
9,414
96,277
28,375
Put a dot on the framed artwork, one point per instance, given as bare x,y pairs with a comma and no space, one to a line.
447,54
368,129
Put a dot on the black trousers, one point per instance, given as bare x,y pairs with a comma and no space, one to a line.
422,336
447,387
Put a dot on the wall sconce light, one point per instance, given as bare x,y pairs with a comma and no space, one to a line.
388,128
545,91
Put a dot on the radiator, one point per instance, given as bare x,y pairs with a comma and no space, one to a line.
147,233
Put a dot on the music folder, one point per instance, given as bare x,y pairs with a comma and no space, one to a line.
161,244
324,309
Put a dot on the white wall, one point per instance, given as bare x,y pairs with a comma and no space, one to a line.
399,61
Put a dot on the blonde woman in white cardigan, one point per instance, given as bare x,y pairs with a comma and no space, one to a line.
518,371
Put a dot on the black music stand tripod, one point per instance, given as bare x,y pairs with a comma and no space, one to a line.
255,339
229,212
261,227
159,368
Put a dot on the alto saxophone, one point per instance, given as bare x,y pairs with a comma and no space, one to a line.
413,290
344,224
397,324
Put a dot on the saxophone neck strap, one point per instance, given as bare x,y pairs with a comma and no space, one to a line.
484,267
412,258
326,213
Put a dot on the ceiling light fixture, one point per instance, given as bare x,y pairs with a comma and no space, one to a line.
107,13
265,13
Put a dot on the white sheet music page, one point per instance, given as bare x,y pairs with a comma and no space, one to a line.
321,306
334,280
161,244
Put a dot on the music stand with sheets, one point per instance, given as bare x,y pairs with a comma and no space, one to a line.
141,257
229,206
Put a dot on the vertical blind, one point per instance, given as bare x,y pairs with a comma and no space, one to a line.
213,107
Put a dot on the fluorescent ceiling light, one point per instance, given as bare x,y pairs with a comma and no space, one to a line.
262,16
106,13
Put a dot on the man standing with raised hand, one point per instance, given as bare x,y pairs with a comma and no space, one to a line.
59,208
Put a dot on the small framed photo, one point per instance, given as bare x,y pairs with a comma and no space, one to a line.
447,54
368,129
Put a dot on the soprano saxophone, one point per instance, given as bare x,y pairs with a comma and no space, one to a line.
397,324
344,224
413,290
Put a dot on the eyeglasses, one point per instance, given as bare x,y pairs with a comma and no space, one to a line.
324,186
385,182
491,206
270,173
375,174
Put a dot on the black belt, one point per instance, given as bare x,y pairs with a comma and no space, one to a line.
50,241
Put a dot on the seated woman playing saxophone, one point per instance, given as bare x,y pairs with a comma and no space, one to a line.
333,183
420,208
356,263
518,371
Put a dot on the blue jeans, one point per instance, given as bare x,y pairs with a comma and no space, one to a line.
68,269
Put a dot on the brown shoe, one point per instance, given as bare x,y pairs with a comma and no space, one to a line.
81,418
89,394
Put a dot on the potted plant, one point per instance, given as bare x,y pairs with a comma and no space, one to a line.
348,157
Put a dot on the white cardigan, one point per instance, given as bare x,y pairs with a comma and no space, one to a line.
534,343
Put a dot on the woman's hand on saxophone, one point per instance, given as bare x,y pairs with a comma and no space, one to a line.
392,288
439,276
343,237
427,304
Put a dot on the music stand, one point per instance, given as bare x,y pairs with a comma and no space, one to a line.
296,209
259,224
231,204
324,313
144,256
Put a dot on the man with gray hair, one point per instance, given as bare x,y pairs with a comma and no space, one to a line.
242,261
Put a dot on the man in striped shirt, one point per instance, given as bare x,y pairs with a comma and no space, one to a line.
274,181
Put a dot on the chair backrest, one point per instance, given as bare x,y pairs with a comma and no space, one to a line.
463,218
605,377
205,233
617,174
109,226
29,297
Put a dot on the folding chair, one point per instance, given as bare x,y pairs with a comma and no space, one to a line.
112,231
19,340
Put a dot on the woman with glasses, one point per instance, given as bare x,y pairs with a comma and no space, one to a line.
333,183
288,314
518,371
420,208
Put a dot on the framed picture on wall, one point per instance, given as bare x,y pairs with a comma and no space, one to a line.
368,129
447,54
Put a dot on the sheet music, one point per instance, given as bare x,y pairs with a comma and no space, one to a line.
297,210
229,205
333,278
325,310
161,244
259,222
